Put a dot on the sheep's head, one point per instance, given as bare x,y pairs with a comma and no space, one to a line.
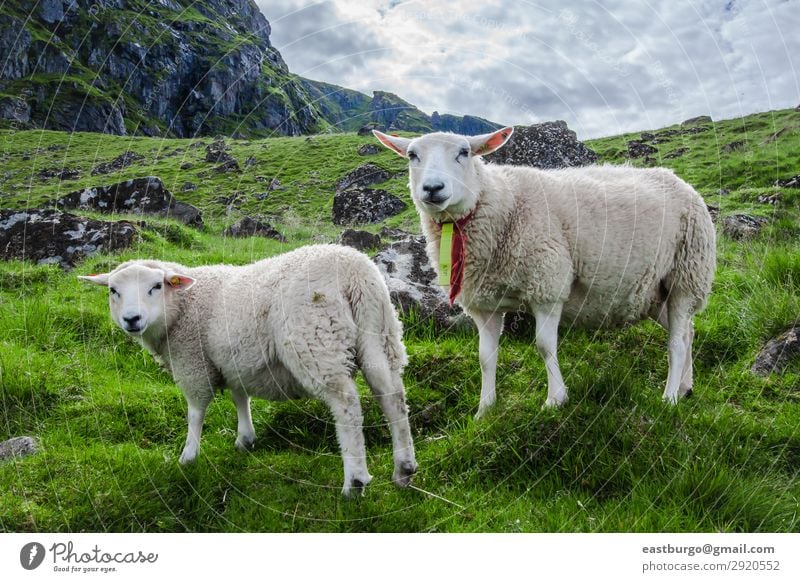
442,168
139,295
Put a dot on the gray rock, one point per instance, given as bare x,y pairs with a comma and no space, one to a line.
412,281
367,130
639,149
773,199
248,226
188,187
137,196
677,153
723,192
734,146
60,173
22,446
544,145
363,176
742,226
793,182
778,353
359,239
121,162
364,206
49,236
368,149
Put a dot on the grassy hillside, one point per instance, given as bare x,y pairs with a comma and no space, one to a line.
614,459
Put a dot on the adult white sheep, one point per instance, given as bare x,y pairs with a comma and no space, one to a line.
596,246
293,326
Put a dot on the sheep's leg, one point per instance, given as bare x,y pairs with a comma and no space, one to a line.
342,398
547,320
196,416
387,387
490,326
680,324
246,433
660,314
687,380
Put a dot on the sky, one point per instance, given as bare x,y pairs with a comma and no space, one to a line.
605,67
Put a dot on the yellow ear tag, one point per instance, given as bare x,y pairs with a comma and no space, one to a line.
175,281
445,253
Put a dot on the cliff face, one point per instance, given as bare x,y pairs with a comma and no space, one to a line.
156,67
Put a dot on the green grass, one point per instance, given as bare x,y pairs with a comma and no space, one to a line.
111,423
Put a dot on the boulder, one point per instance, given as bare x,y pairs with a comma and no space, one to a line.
359,239
121,162
639,149
363,176
137,196
364,206
60,174
742,226
49,236
773,199
778,353
544,145
217,153
248,226
18,447
734,146
793,182
412,281
676,153
368,149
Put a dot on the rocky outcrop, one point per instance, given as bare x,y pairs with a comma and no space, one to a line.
364,206
412,281
742,226
699,120
188,68
248,226
363,176
544,145
359,239
137,196
640,149
793,182
368,149
778,353
50,236
121,162
17,447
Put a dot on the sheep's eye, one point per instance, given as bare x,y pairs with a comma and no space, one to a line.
113,291
155,287
413,156
463,152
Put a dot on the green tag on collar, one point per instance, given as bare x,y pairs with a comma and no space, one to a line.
445,251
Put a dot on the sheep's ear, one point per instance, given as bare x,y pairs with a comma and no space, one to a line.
96,279
178,282
489,142
397,144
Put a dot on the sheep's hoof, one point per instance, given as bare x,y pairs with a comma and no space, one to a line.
688,393
403,474
356,487
187,458
554,402
245,443
670,399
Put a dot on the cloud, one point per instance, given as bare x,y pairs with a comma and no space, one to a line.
604,68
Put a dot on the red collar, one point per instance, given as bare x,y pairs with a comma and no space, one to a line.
458,255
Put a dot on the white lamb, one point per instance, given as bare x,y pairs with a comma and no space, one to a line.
597,246
293,326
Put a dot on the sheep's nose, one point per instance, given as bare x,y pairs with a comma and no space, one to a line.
432,187
132,321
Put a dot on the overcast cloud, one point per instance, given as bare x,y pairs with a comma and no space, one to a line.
604,67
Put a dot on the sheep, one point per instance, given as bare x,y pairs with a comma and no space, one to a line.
293,326
598,246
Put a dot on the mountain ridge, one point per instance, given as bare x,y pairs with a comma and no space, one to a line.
177,68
